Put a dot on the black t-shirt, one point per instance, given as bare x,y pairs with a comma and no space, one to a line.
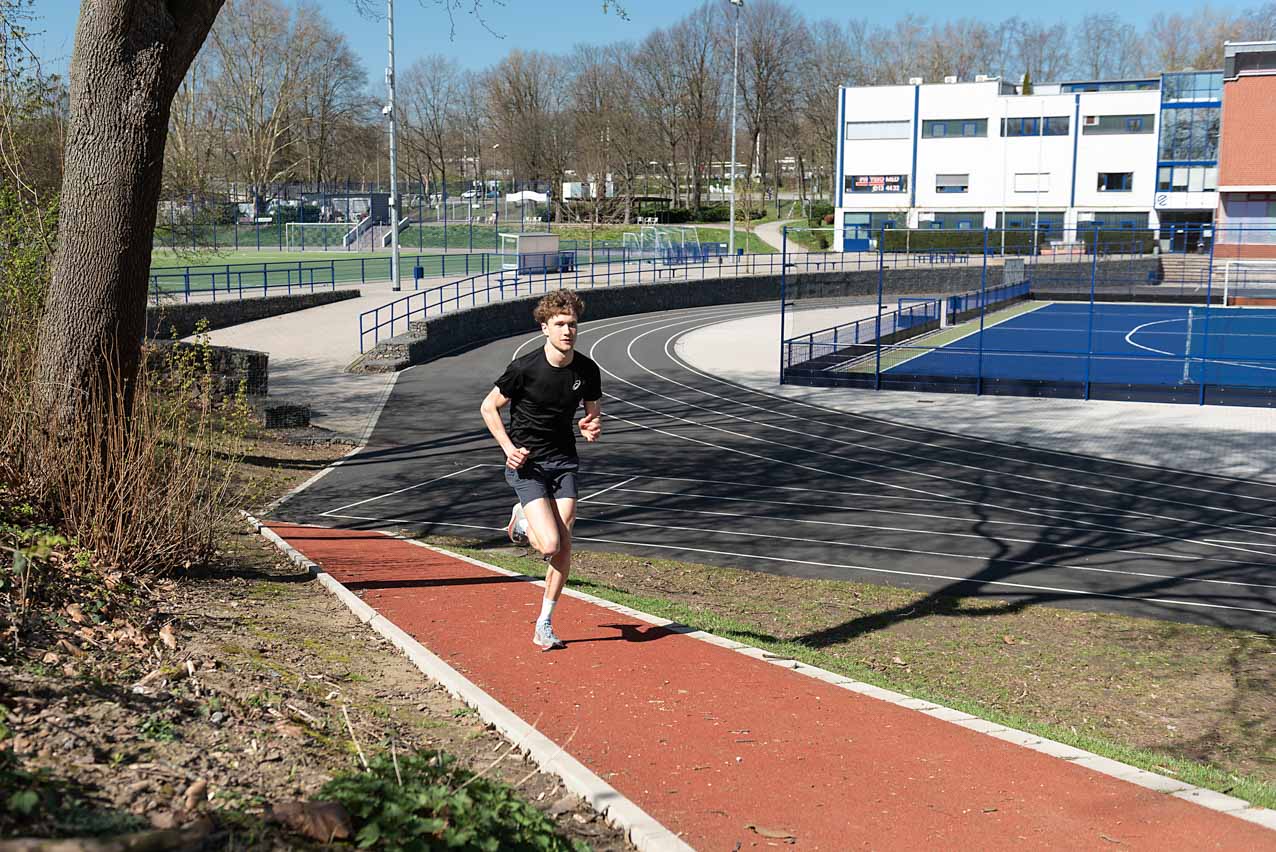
545,399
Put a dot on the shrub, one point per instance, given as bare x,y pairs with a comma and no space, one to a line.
427,802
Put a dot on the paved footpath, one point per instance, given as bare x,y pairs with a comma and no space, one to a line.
712,742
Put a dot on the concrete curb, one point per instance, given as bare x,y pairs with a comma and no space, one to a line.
644,832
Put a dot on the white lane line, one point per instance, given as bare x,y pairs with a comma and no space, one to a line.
848,567
912,551
870,510
608,488
854,444
842,459
907,470
923,533
844,418
330,512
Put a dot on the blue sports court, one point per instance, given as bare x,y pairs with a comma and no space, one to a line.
1106,343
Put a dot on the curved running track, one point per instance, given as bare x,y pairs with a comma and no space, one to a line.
695,468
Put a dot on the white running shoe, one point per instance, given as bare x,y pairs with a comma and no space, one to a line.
517,527
545,638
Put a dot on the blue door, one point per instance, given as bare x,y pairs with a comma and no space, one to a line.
855,237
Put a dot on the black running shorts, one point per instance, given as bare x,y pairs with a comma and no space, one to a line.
552,480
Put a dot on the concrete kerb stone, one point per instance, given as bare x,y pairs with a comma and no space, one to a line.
644,831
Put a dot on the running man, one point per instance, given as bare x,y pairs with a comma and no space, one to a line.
546,387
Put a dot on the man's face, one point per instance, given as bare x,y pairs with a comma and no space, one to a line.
561,331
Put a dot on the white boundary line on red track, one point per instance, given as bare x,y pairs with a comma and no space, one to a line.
645,832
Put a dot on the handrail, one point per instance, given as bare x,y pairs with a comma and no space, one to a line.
382,322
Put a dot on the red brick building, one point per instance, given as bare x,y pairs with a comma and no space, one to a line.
1246,218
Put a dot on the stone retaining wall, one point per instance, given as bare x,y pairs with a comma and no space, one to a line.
169,322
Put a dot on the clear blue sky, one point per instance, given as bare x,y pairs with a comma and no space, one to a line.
421,27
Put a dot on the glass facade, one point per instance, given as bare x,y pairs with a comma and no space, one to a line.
1191,113
1190,134
1192,86
961,220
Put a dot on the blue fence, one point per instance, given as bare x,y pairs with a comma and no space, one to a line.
1196,327
236,280
393,318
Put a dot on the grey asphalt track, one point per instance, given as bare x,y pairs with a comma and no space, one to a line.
694,468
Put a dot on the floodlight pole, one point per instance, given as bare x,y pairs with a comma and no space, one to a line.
735,71
394,151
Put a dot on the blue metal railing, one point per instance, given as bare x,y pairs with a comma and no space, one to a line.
390,319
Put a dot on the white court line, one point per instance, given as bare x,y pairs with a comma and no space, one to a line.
921,574
844,416
401,490
912,551
1175,355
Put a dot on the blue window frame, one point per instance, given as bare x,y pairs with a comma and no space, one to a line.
1055,125
970,128
1116,181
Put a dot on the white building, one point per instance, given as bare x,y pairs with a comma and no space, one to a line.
980,154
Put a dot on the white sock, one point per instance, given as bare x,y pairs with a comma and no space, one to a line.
547,610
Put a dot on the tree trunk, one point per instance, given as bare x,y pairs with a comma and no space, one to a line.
130,57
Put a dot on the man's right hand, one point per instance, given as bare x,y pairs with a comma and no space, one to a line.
516,457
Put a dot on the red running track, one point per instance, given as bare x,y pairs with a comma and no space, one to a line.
708,741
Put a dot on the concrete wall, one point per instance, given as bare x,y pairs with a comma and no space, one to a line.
468,329
162,320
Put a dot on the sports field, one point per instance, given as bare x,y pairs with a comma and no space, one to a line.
1135,344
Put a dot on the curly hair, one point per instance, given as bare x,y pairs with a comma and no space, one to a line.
558,302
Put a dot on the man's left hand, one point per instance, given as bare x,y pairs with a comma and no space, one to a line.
591,427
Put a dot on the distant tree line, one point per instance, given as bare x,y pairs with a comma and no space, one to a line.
277,97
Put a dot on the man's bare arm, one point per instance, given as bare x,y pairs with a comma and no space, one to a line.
515,457
591,425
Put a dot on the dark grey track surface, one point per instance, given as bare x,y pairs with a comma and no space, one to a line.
694,468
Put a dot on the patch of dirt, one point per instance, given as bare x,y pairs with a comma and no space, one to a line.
250,686
1202,693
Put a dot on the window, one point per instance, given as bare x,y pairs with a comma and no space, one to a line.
1189,134
1187,178
1056,125
952,183
961,220
968,127
1192,86
1116,181
1110,86
1032,182
1104,221
878,129
1045,220
1103,125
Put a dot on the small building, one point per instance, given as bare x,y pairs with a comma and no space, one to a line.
1247,176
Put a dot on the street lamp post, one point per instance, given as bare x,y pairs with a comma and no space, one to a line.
394,151
735,70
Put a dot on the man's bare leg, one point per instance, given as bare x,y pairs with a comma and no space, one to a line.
549,531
